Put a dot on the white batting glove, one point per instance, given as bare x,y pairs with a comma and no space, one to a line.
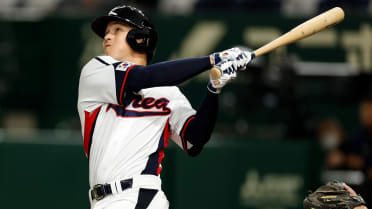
228,62
244,58
240,56
227,55
228,72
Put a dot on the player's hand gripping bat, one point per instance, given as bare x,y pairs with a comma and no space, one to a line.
308,28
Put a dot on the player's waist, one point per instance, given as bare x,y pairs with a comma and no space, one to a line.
100,191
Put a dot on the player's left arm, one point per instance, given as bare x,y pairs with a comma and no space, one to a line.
198,128
190,129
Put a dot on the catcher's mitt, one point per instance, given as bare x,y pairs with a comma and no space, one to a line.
332,195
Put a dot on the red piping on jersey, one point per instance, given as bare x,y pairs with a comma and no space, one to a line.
184,142
161,151
122,86
90,118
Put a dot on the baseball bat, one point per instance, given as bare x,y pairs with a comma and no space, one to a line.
306,29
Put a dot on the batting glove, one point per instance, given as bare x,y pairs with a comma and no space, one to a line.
228,72
240,56
244,58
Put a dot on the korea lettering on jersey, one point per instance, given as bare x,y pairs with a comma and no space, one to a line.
125,133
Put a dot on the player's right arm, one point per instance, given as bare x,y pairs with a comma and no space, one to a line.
174,72
105,80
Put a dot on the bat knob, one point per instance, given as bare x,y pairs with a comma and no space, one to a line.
253,55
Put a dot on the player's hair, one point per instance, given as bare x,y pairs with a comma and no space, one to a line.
143,28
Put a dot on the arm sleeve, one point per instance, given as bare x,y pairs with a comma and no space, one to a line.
166,73
198,128
106,80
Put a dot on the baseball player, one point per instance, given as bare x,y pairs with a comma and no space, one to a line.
129,110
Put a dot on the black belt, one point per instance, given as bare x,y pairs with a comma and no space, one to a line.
100,191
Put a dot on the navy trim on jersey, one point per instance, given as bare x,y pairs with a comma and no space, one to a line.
153,164
153,161
119,78
102,61
132,113
145,196
116,64
121,111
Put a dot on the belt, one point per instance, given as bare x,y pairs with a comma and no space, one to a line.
100,191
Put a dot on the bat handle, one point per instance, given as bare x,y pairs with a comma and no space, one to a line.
215,72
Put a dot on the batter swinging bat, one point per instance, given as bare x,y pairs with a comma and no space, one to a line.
308,28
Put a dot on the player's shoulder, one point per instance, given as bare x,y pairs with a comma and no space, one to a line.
103,61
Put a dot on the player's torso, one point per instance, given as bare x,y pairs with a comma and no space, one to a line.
129,140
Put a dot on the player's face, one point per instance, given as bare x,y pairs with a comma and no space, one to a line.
114,42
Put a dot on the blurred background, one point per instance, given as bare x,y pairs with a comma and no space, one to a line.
296,118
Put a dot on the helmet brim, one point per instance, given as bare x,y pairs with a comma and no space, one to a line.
99,25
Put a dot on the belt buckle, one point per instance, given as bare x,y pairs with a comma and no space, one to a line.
98,192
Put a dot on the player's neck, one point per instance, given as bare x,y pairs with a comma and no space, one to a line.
137,58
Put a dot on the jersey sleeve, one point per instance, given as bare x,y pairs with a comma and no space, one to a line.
182,111
103,80
195,130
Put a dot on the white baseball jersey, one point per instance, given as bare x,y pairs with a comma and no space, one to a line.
125,133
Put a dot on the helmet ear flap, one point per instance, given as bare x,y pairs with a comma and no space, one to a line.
138,40
142,40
